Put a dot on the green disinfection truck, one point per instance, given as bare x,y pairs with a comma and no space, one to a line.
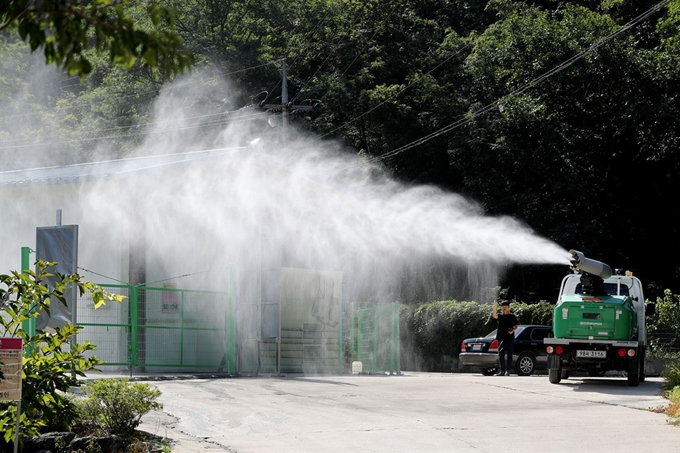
598,323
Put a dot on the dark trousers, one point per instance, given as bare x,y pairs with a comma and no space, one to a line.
505,350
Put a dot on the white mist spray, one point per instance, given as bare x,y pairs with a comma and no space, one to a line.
249,209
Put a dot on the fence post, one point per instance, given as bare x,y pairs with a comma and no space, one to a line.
359,334
231,328
396,340
340,344
181,328
375,338
29,325
132,290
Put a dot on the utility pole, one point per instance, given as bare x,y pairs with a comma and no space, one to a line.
284,96
286,108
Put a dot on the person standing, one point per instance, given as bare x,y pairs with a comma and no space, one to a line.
505,334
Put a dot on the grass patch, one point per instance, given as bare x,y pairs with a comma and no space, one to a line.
673,408
671,391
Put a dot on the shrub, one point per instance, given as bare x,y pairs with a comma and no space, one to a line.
540,313
671,377
663,330
673,408
52,361
439,327
118,405
436,329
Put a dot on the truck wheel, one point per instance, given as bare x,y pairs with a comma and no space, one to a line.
526,363
489,371
554,376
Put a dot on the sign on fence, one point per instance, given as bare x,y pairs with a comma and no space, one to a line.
11,354
170,299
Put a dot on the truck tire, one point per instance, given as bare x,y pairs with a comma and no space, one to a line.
525,364
555,376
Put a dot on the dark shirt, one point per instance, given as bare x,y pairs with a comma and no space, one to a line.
505,324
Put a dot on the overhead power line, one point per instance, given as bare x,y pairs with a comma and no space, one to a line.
494,105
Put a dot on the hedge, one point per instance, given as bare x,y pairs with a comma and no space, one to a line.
437,328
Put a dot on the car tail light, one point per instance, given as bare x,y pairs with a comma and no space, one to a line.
622,352
462,346
494,345
554,350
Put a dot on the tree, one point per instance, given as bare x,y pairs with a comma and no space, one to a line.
65,30
573,155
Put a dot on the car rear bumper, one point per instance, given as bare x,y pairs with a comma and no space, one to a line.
480,359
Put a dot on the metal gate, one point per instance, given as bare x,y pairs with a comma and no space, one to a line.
377,338
168,329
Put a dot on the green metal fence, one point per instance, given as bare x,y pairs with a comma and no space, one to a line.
377,338
174,330
166,328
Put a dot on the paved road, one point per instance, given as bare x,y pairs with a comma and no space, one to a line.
414,412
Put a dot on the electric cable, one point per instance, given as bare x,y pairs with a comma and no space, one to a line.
494,105
255,116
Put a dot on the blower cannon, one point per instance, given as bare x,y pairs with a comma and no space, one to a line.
593,273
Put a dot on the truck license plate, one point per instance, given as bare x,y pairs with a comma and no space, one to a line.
591,354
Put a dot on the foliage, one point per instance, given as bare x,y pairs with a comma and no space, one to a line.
671,376
474,97
663,330
438,328
65,30
52,362
673,408
117,404
540,313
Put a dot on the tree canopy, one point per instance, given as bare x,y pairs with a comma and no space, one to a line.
561,114
65,30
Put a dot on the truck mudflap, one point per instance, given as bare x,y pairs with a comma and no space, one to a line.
553,362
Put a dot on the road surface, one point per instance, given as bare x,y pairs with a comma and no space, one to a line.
412,412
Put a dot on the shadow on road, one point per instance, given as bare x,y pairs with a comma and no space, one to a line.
612,386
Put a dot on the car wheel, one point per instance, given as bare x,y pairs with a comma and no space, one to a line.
526,364
554,376
489,371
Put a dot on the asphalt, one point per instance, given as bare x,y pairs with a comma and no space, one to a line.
411,412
